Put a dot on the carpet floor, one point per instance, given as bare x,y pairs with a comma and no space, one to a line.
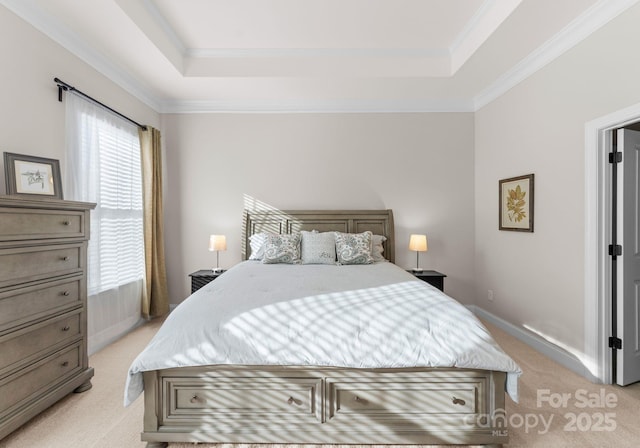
97,419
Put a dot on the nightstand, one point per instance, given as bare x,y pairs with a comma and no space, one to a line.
202,277
434,278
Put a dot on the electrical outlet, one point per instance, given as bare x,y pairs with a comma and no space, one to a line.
490,295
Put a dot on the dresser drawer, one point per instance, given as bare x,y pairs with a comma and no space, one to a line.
32,381
26,345
244,400
26,264
19,224
20,306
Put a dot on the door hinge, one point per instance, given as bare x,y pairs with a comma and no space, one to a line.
615,157
615,250
615,343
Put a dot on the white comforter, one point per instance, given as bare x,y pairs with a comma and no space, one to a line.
366,316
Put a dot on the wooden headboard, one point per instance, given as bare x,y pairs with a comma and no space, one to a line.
380,222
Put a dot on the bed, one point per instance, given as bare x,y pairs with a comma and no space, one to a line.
322,353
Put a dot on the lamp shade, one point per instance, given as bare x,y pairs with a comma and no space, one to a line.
217,242
418,243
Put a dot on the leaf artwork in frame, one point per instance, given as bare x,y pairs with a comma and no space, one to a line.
516,203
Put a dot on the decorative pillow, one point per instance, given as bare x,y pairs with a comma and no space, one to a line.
377,248
256,242
354,248
318,248
282,249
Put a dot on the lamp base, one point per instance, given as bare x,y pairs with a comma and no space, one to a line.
417,270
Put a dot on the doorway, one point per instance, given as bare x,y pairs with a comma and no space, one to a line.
598,230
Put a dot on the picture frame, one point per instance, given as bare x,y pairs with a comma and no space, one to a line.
32,176
516,203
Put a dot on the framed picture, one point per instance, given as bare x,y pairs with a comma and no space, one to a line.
516,203
32,176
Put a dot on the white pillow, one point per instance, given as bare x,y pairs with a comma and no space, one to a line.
354,248
377,248
318,248
256,242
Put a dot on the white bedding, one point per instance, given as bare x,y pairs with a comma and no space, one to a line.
361,316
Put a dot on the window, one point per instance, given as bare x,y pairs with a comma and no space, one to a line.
116,252
103,166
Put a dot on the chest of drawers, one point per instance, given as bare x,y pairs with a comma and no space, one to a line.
43,305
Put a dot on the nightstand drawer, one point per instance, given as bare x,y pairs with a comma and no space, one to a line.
203,277
434,278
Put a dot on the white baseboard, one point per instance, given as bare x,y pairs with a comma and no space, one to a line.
543,346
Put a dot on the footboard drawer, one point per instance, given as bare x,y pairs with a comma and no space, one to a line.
230,402
402,402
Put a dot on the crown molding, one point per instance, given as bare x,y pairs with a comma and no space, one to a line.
33,15
321,107
587,23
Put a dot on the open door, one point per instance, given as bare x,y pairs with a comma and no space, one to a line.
628,262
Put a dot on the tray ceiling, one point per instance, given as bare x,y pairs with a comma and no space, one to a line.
316,55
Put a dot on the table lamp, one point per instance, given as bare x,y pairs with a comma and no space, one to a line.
419,244
217,243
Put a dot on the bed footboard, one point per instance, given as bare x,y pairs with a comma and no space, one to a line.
308,405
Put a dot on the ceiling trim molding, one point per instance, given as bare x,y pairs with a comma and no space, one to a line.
587,23
312,52
74,44
481,26
326,107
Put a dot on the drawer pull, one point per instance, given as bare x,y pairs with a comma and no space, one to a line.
292,400
65,293
66,328
66,223
194,399
65,364
459,401
357,399
65,258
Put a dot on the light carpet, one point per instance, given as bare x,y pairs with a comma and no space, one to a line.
97,419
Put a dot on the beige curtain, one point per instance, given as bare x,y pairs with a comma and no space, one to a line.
155,297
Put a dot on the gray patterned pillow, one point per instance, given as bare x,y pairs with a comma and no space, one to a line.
282,249
318,248
354,248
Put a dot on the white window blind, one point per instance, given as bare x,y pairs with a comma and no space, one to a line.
103,166
116,252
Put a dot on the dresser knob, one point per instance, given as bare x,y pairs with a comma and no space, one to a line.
65,328
194,399
66,223
292,400
459,401
65,258
359,400
64,293
65,364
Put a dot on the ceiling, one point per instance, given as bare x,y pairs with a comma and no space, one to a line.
316,55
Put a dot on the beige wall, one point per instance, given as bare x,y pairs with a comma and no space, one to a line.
419,165
539,127
31,118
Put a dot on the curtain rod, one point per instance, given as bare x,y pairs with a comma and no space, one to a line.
63,86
